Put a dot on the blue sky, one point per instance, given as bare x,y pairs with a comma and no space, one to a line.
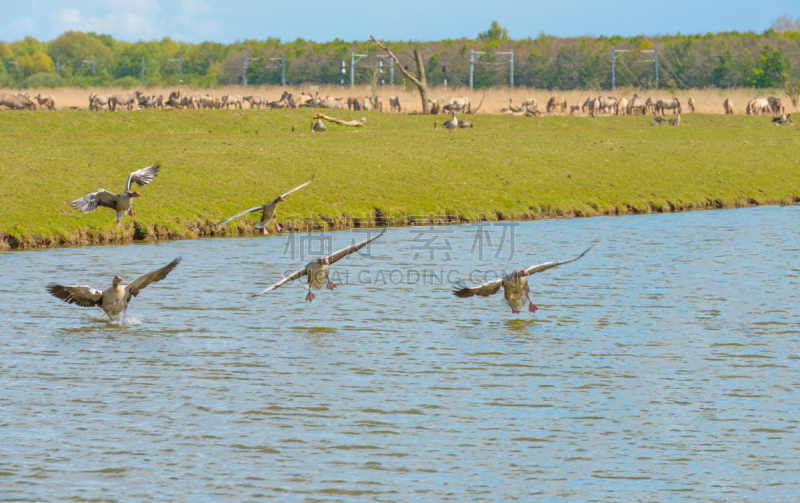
231,20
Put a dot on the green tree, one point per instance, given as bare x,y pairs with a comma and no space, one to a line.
37,62
495,33
770,69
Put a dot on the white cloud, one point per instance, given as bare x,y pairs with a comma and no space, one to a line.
126,25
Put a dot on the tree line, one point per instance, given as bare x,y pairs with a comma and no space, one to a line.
755,60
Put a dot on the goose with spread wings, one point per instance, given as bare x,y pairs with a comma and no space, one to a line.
267,210
515,285
120,203
317,270
114,299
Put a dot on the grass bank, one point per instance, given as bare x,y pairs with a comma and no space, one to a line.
216,163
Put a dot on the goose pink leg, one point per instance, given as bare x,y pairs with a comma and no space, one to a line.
531,307
330,285
266,231
278,227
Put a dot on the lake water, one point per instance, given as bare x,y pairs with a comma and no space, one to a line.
662,366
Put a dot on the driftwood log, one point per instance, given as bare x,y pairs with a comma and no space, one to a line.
356,123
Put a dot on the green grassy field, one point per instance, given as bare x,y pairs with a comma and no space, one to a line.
216,163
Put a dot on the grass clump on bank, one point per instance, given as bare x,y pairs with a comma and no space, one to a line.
216,163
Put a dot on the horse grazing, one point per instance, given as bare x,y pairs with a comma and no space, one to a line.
671,104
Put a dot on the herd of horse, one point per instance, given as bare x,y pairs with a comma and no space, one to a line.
599,105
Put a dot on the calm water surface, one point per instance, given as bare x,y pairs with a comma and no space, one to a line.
663,366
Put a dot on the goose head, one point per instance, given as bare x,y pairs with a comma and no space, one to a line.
117,280
130,193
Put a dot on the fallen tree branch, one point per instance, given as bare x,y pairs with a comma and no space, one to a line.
356,123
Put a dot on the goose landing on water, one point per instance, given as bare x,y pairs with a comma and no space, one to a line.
317,270
120,203
515,286
267,210
114,299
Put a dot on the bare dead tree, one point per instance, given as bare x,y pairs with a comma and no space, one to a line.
419,80
793,91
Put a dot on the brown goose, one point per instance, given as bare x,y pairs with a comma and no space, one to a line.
317,270
318,127
660,120
120,203
114,299
267,210
515,285
783,119
464,124
513,108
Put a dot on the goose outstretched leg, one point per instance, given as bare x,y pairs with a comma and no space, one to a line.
531,307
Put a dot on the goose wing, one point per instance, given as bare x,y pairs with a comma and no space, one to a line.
299,187
547,265
135,286
339,255
297,274
248,210
486,289
90,202
142,176
81,295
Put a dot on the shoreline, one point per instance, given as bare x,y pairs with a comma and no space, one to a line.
135,232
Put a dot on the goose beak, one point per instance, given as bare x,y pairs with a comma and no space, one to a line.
283,200
137,194
326,262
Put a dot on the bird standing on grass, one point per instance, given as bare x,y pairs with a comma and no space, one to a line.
317,270
120,203
267,210
515,286
114,299
450,125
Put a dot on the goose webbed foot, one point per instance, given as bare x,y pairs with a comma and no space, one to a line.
531,307
310,296
278,227
514,311
266,231
131,212
119,223
330,285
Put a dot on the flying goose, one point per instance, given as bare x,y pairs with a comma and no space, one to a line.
318,127
268,210
120,203
114,299
317,270
515,285
782,120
